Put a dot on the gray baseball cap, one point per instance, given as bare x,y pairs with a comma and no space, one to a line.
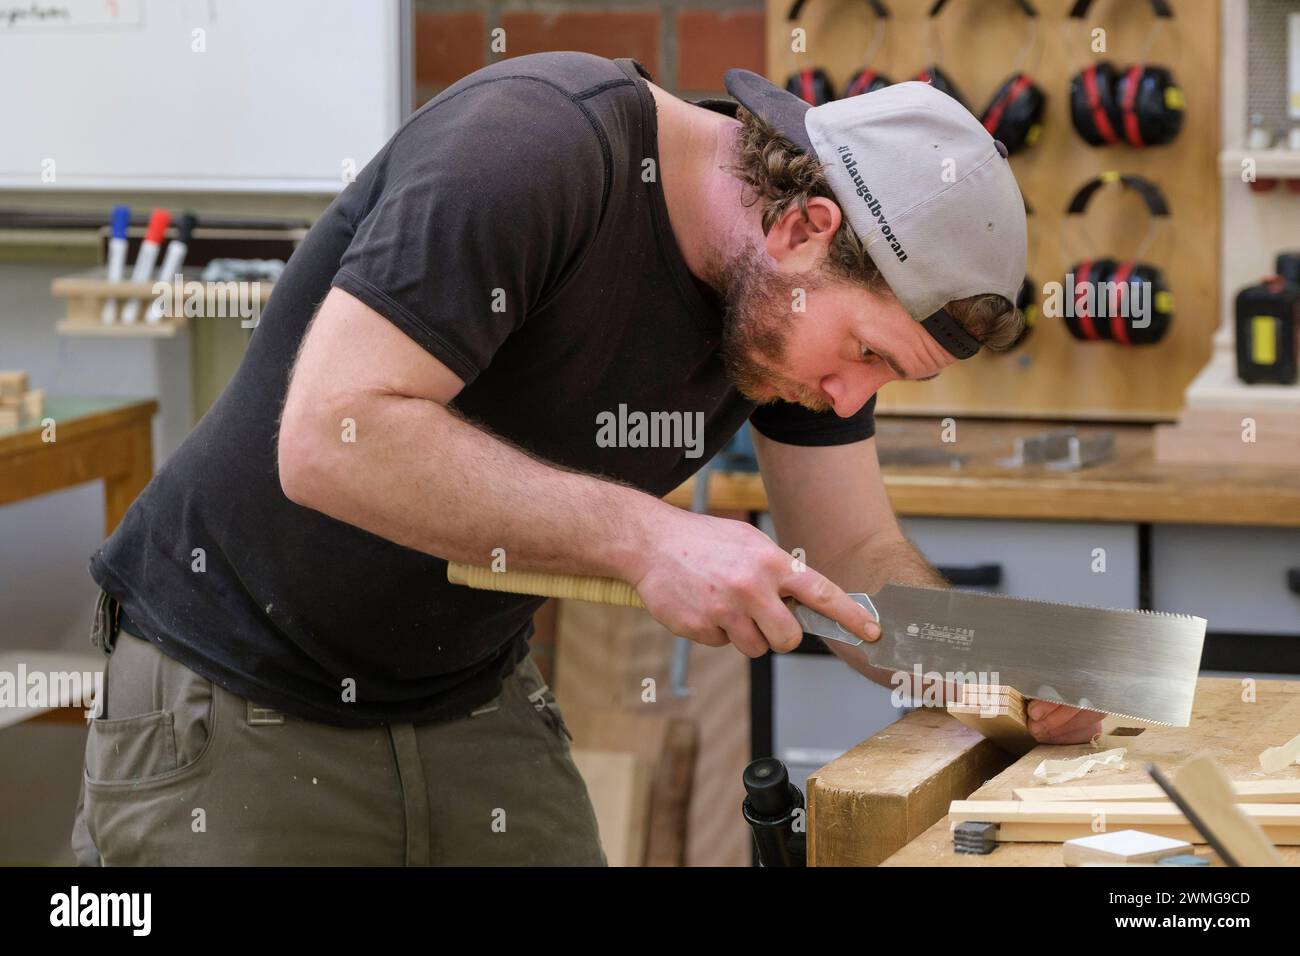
926,188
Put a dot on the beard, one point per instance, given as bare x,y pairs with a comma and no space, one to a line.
758,320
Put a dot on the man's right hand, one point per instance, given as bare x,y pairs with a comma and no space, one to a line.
718,581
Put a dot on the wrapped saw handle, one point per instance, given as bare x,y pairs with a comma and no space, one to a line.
576,587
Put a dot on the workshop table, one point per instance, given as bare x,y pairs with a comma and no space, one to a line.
108,439
885,801
1132,486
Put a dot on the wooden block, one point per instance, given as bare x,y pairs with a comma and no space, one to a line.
13,385
619,785
1246,791
996,712
889,789
34,403
1121,848
668,747
1021,821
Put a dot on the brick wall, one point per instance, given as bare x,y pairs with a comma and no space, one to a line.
686,44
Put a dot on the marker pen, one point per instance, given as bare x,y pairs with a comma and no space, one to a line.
173,259
146,259
116,259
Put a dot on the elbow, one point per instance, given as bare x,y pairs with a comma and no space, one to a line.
299,461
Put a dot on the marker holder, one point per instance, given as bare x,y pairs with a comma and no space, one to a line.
86,294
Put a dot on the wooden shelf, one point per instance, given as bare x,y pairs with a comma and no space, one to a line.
121,330
1269,163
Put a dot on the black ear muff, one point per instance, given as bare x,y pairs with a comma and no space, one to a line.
811,86
1083,288
866,81
940,81
1027,303
1147,315
1151,105
1093,109
1015,113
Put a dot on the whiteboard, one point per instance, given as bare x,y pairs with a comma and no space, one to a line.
196,95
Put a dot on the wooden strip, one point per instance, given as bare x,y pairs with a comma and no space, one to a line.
996,712
1051,822
1247,791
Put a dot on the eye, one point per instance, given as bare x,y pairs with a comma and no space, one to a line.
866,352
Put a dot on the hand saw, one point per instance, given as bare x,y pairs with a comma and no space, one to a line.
1140,665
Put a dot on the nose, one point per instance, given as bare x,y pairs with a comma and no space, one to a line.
847,395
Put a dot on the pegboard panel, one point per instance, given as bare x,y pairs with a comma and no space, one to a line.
978,44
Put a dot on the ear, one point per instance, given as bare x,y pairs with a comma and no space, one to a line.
798,243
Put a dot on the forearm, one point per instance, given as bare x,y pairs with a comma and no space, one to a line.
419,475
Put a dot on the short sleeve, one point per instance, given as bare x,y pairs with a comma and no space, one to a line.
793,424
480,207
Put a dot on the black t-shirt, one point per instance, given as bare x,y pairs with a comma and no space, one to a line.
508,229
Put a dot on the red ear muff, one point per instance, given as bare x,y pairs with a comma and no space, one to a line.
811,86
1093,108
866,81
1145,317
940,81
1081,288
1151,104
1015,113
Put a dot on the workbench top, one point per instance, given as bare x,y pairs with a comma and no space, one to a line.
926,759
1130,487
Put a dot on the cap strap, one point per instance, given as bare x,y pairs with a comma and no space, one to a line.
945,330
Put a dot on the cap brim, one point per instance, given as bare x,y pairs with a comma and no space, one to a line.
779,108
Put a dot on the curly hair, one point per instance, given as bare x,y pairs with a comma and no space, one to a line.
780,175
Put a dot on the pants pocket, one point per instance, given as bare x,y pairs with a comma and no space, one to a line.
542,700
131,748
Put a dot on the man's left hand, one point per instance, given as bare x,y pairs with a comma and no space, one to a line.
1059,724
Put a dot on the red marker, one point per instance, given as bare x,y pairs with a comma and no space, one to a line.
146,259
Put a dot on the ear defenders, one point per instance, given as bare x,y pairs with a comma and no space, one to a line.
1141,105
1014,115
1125,301
814,87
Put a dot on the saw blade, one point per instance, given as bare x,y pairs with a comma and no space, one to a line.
1136,664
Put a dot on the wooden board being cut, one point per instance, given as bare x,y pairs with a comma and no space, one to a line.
996,712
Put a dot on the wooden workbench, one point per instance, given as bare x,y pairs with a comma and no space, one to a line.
107,439
886,799
1131,487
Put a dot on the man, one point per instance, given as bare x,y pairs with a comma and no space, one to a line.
294,680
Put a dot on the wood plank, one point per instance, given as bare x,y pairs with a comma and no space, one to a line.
1022,821
619,785
1246,791
889,789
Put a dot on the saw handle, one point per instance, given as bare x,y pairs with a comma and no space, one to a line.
576,587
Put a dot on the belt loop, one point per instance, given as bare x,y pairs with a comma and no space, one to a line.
105,623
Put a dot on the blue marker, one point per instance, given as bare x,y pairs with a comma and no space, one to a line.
116,259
